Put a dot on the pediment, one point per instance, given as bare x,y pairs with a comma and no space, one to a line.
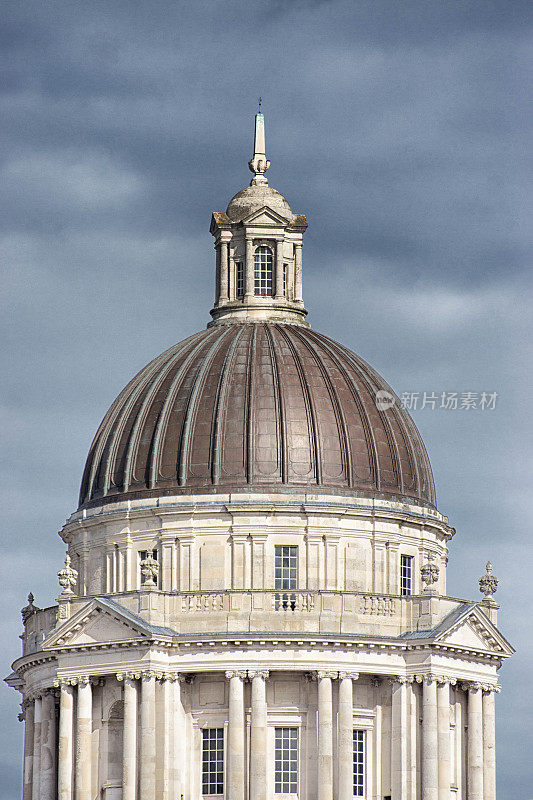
474,630
98,622
266,216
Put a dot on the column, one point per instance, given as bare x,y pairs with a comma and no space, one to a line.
475,743
399,734
235,756
84,724
345,735
258,735
249,272
28,711
298,272
325,735
129,753
180,732
147,764
223,295
443,735
37,708
489,746
66,737
279,271
48,746
430,778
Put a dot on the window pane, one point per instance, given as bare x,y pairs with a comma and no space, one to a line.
286,567
240,279
213,761
263,271
359,763
286,761
406,575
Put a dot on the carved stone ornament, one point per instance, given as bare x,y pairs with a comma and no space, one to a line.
149,570
488,583
429,571
68,577
29,610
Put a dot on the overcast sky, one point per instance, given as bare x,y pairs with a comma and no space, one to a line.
399,128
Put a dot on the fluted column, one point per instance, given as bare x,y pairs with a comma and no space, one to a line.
345,735
66,736
279,270
129,753
84,724
489,746
258,735
37,708
235,757
443,735
249,273
325,735
475,743
399,764
298,272
48,746
28,714
147,763
430,769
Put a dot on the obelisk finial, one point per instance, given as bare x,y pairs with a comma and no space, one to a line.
259,164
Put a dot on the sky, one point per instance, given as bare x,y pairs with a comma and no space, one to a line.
399,129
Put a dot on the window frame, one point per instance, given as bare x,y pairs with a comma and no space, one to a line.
240,281
220,747
293,750
406,575
361,763
263,271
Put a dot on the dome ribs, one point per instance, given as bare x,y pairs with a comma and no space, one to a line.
162,422
188,432
342,431
139,427
221,407
281,416
314,442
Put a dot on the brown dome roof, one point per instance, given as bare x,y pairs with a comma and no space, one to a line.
268,407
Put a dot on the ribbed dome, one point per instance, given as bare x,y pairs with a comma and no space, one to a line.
256,406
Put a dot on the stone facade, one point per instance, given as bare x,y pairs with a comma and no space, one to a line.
176,620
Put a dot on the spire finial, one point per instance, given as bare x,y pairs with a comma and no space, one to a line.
259,164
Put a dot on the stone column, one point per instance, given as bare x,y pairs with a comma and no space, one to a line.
399,735
249,271
147,762
443,735
430,768
345,735
325,735
279,271
28,712
129,753
474,775
258,735
298,272
224,272
489,746
66,737
235,757
37,709
48,746
84,724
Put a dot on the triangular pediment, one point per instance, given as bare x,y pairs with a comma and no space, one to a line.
474,630
99,622
265,216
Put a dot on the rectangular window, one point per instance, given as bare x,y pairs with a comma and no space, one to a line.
263,266
286,566
213,761
406,575
286,758
285,267
240,278
358,763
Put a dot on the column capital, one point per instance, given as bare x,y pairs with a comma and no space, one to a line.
238,673
353,675
258,673
402,680
326,674
472,686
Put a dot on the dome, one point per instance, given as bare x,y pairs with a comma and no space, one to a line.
263,407
254,197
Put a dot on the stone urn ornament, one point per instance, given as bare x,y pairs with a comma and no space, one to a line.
68,577
429,572
149,570
488,583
